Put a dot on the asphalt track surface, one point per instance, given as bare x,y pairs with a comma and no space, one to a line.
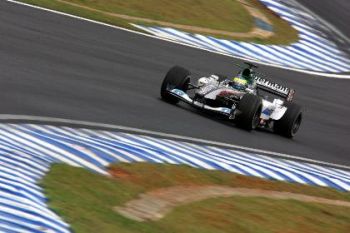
56,66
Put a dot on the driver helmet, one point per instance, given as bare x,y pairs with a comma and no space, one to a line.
242,80
239,83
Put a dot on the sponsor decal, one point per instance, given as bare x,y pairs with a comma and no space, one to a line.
206,89
225,110
178,92
267,111
271,85
228,92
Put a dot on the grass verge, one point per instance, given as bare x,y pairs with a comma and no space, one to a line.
86,201
227,15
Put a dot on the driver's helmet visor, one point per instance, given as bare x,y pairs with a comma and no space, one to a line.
239,83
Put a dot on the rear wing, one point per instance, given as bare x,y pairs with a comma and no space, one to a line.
275,88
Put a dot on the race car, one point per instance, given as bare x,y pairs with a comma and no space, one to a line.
242,99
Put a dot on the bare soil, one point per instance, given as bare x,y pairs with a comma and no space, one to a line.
155,204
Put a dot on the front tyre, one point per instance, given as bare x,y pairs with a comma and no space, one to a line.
290,123
177,77
249,108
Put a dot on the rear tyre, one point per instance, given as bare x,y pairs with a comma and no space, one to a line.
249,108
177,77
290,123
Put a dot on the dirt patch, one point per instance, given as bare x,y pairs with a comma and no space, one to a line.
119,173
154,205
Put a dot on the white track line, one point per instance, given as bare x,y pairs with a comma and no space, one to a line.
9,117
339,76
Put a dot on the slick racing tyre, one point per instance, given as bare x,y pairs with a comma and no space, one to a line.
177,77
289,124
249,109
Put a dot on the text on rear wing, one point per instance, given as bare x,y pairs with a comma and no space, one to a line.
275,88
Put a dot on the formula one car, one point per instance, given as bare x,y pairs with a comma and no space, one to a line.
241,99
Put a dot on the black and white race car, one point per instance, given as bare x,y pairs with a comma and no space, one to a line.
242,99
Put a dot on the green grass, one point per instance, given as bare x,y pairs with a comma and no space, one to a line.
85,200
203,13
257,215
227,15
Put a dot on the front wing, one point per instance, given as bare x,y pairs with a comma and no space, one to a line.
181,95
